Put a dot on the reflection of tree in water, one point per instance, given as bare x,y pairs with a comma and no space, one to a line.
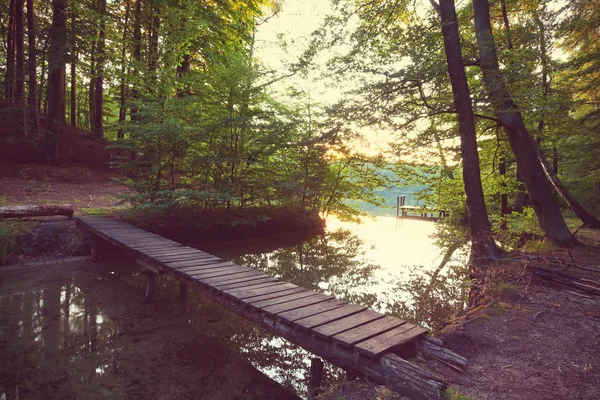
276,357
333,263
430,298
37,326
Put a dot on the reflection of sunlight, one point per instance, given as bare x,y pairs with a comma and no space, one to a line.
394,248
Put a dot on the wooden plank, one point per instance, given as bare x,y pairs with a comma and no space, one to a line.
246,284
128,232
249,276
151,243
352,336
390,340
329,316
216,274
140,243
344,324
171,252
215,282
294,304
314,309
155,246
221,269
209,265
278,298
271,295
191,263
246,294
179,251
219,272
182,257
256,285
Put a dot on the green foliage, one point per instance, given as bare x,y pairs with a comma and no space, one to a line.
454,393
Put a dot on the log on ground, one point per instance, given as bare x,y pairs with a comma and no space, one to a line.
36,210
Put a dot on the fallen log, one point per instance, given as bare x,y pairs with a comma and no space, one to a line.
36,210
434,349
559,278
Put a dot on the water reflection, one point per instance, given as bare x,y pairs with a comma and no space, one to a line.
35,327
374,264
334,264
397,270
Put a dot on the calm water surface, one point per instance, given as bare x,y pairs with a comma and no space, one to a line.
380,263
377,263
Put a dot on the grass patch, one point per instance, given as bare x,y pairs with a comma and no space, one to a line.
99,211
454,393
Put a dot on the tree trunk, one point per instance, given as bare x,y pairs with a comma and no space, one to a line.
503,195
481,236
9,76
589,221
100,61
539,189
73,99
34,120
36,210
153,46
56,78
92,88
137,57
521,199
21,113
122,99
40,94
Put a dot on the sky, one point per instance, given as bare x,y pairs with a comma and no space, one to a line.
294,23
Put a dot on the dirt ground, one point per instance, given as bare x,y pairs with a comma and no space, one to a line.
534,340
82,187
70,329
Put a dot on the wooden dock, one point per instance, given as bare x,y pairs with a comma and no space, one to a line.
349,335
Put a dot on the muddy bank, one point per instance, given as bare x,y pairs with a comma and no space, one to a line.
72,329
25,239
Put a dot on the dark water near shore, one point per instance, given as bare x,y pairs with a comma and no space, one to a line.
81,331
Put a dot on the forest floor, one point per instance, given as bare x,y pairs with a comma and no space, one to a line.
532,339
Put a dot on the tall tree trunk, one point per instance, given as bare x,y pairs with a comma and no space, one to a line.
137,57
521,199
503,195
32,103
482,243
92,88
73,70
21,113
588,219
153,45
100,61
40,94
56,67
122,99
539,189
9,76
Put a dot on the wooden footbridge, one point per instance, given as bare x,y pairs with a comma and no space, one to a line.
361,341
